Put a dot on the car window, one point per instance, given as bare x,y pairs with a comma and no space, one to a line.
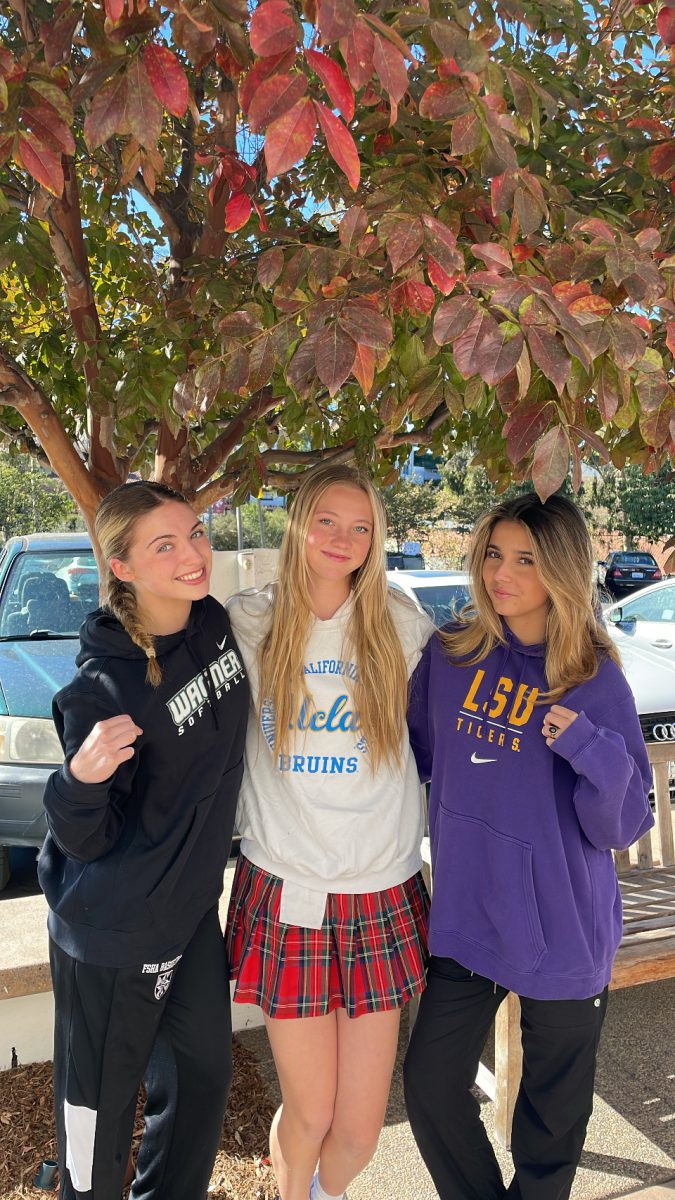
39,593
634,560
443,602
660,606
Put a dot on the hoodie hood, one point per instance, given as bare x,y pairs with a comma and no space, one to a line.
102,635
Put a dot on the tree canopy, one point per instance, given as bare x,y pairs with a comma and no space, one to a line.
234,244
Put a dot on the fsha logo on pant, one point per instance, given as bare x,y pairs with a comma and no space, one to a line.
187,704
164,972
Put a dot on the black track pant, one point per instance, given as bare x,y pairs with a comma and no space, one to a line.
560,1042
166,1023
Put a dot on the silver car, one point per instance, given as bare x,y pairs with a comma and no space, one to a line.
643,628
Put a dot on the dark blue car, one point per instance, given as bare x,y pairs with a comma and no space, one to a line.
48,584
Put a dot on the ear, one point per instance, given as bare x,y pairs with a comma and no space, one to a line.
121,570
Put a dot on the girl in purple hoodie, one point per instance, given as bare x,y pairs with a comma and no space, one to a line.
523,721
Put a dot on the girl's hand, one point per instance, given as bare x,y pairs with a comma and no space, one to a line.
109,744
556,721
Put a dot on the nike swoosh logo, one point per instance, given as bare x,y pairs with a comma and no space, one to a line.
476,759
221,644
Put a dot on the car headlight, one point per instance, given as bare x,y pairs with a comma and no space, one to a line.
29,740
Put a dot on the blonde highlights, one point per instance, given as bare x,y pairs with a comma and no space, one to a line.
380,689
576,641
114,526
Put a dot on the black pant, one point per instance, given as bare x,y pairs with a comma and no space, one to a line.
560,1042
165,1022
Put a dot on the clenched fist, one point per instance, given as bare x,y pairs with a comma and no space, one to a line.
110,743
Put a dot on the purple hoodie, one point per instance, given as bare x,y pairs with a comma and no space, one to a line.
524,886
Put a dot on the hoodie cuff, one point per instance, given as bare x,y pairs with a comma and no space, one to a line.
575,739
69,788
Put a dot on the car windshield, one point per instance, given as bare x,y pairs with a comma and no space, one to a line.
443,601
48,591
660,606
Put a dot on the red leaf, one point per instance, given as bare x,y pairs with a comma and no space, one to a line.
144,112
335,82
390,66
273,98
40,162
441,244
57,35
260,71
364,367
670,336
402,236
452,318
494,255
114,10
270,266
49,129
107,114
353,226
524,427
551,462
484,349
237,211
590,306
665,24
503,190
467,133
642,323
167,78
357,50
567,291
415,297
335,19
273,30
445,283
341,145
443,101
335,356
290,137
366,325
522,252
662,160
550,355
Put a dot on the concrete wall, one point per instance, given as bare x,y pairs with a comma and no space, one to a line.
235,570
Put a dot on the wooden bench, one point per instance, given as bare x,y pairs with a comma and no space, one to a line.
646,953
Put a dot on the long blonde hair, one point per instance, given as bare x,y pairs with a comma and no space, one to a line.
114,526
380,689
576,641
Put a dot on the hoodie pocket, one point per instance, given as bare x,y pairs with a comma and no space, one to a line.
484,890
198,862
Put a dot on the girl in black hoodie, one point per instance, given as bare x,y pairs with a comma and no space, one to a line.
140,824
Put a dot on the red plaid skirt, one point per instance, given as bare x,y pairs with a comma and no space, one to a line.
368,956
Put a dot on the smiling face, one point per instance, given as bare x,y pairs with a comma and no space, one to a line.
168,565
512,581
339,536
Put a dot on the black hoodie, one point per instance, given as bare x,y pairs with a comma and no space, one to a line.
130,866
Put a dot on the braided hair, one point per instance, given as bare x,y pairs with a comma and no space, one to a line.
114,525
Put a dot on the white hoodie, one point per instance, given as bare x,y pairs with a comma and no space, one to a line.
319,819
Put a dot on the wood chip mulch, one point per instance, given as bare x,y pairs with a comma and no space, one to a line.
241,1172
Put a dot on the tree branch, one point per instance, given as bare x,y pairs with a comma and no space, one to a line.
22,393
220,449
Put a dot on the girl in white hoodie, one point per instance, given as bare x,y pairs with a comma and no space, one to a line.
327,918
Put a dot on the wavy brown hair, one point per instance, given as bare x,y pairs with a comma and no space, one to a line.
576,640
114,527
380,690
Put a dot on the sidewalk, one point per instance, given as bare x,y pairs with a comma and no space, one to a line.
631,1137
